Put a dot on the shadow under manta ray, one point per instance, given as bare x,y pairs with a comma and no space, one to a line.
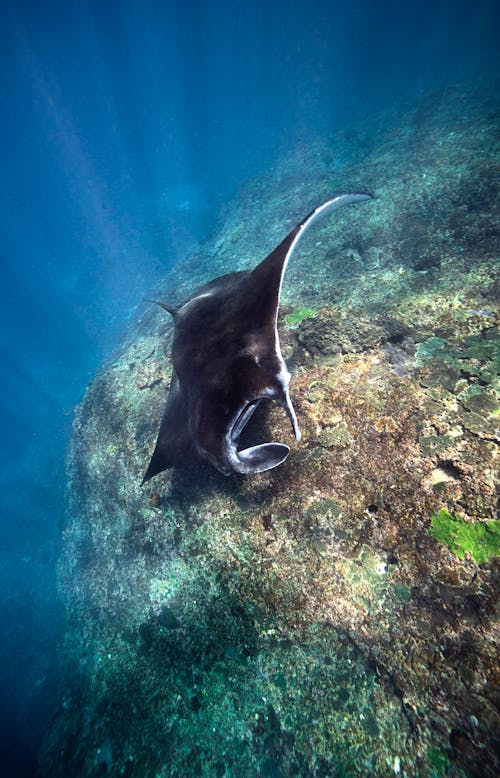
226,359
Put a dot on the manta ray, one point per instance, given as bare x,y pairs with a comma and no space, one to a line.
226,360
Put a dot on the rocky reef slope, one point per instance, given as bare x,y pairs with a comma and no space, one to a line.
334,616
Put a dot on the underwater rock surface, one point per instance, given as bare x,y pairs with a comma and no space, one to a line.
334,616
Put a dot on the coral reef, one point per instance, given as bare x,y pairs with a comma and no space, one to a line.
329,617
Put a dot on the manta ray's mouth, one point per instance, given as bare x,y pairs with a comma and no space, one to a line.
249,409
257,459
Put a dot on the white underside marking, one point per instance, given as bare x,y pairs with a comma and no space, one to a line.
189,303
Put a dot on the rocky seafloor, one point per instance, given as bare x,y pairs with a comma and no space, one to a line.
335,616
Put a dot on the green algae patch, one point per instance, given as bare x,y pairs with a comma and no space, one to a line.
480,539
293,320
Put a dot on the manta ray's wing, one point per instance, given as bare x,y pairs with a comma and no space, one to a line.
265,281
174,443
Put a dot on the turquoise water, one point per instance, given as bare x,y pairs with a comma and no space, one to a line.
128,131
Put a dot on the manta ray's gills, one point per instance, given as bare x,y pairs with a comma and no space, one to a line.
227,359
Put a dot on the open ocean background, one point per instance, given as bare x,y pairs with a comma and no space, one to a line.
126,128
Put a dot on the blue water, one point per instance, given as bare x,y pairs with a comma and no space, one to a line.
126,126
